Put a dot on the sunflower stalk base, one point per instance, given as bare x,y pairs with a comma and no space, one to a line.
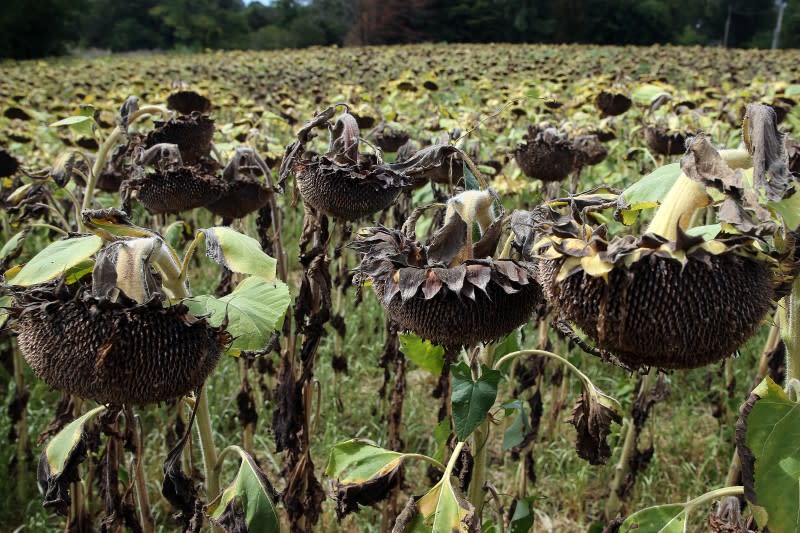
480,440
614,501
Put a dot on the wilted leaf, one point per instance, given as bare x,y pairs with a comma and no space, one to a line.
658,519
56,259
592,417
238,253
246,504
768,442
363,473
448,241
422,352
705,165
12,245
254,310
765,143
58,463
126,265
472,399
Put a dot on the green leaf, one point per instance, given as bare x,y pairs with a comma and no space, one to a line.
56,259
515,433
470,181
646,94
422,352
773,437
358,461
239,253
70,121
509,344
522,519
708,232
254,309
443,510
75,273
81,124
789,210
472,399
441,434
648,191
247,498
658,519
60,447
13,244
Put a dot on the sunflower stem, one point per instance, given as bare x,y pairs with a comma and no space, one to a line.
790,331
614,501
209,451
684,198
480,439
107,146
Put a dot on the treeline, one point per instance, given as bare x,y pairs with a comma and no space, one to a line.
38,28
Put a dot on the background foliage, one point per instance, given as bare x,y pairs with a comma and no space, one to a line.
41,28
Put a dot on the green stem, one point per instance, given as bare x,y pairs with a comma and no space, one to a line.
22,429
425,458
209,451
48,226
107,146
172,278
480,439
738,490
187,256
790,331
451,463
544,353
146,516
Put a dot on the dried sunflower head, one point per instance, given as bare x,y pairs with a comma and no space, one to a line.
121,352
450,291
341,183
547,154
187,102
191,133
612,103
173,186
675,297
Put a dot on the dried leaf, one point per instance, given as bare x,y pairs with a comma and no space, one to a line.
448,241
765,143
592,419
703,164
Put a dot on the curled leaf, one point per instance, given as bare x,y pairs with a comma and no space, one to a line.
765,143
704,164
592,417
58,464
247,503
363,473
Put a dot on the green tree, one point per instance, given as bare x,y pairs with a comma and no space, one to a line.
39,28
